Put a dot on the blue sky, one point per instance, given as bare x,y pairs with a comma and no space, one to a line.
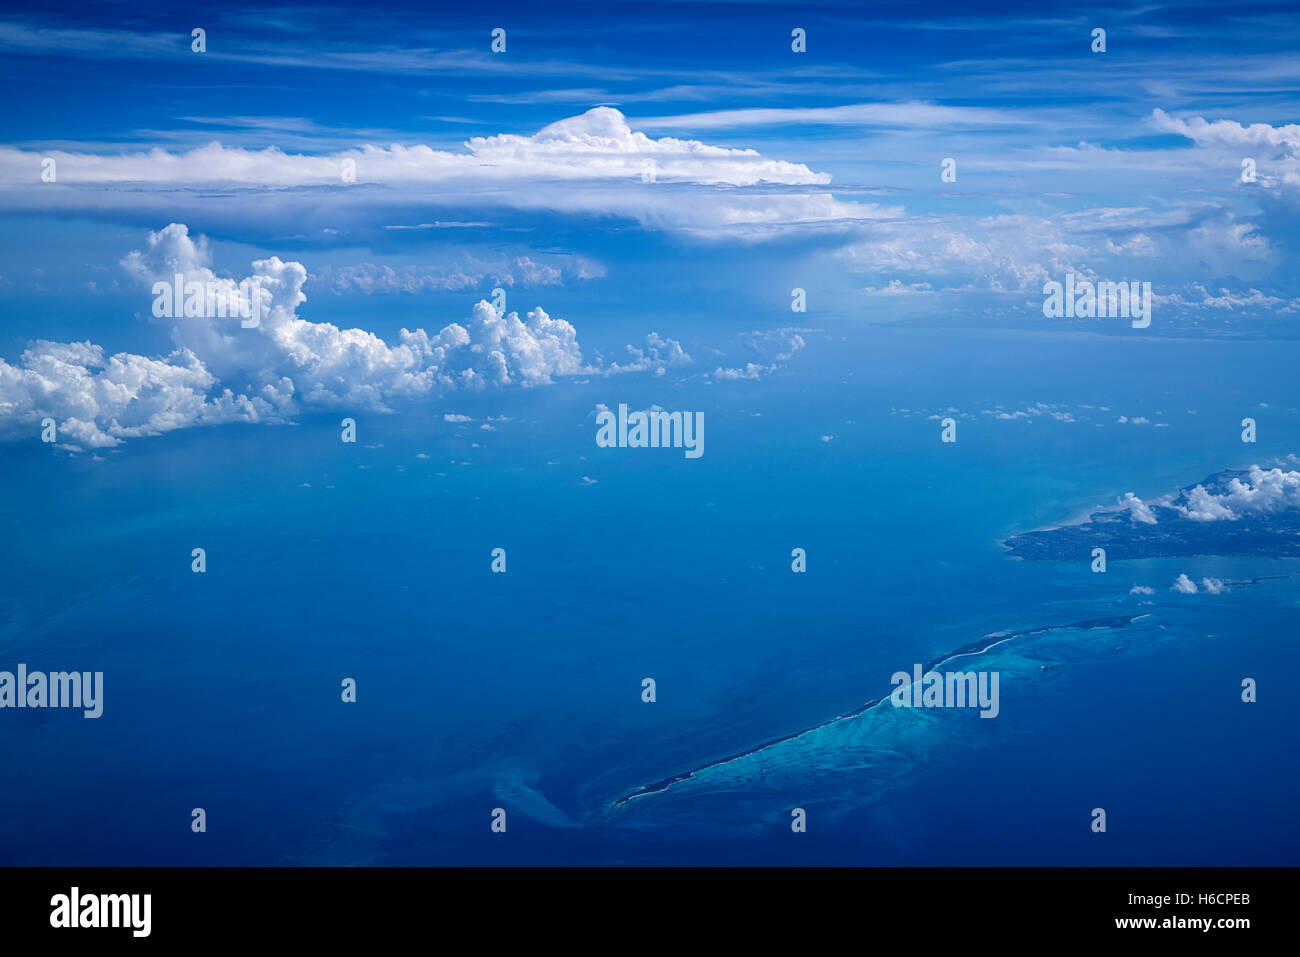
529,170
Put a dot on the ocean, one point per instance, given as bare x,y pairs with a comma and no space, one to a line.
523,690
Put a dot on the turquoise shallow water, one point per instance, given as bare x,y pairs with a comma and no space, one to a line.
478,690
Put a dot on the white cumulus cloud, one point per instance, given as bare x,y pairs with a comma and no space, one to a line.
1264,490
1138,510
221,371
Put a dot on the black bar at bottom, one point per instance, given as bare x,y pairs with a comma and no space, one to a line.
571,906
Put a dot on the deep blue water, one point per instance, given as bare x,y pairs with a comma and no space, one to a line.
478,690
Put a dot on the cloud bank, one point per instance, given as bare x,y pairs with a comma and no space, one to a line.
585,165
221,371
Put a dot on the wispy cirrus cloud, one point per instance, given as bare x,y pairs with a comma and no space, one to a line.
897,115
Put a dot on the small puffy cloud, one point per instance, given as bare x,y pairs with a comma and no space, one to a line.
1141,590
773,346
897,287
455,417
1203,506
750,371
1138,510
778,344
1183,585
1197,297
1037,409
658,354
1214,586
